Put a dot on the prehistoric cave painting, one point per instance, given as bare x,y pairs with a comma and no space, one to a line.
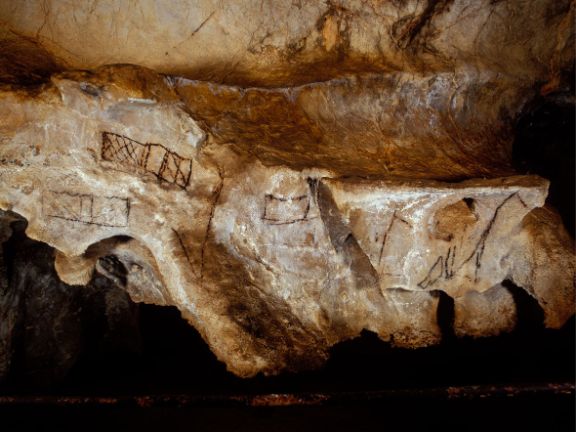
444,266
394,219
180,240
153,158
383,236
390,248
106,211
282,211
478,251
182,248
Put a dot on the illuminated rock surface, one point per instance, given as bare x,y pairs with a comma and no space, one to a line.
349,169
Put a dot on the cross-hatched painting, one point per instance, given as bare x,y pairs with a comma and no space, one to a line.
107,211
168,166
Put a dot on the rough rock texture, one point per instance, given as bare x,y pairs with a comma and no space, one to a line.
47,325
272,264
9,308
283,220
277,43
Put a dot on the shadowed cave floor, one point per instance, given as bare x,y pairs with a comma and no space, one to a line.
522,380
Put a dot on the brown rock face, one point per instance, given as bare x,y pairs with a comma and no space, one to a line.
279,43
286,217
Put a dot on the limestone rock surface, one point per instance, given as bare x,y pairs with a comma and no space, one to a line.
288,174
273,260
276,43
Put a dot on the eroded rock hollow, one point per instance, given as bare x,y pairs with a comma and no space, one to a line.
290,174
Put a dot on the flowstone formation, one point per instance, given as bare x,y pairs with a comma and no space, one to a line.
340,191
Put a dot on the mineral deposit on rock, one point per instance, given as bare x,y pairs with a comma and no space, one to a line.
296,178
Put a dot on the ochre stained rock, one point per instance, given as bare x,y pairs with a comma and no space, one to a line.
274,43
281,222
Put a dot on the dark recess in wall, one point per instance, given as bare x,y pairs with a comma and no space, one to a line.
545,144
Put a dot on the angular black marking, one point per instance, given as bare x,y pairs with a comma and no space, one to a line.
481,245
447,262
271,200
428,280
113,212
173,168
